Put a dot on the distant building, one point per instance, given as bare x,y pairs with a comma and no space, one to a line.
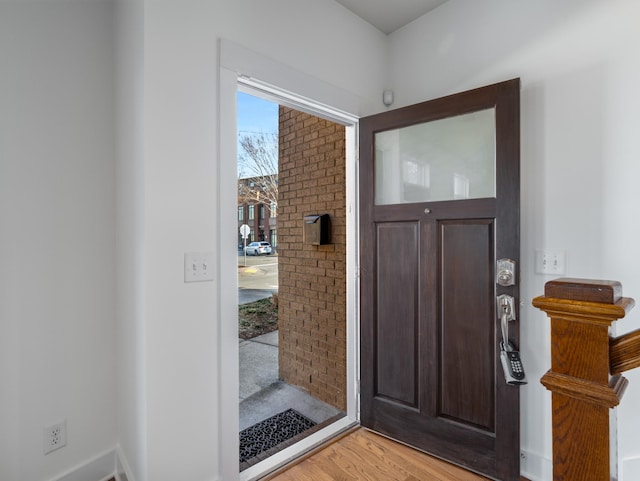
259,216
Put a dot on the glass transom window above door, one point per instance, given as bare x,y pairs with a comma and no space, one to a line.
448,159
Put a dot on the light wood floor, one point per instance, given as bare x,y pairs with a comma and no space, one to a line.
366,456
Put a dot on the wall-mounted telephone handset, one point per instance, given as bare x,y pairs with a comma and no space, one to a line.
509,356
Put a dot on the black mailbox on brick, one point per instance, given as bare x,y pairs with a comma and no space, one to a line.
316,229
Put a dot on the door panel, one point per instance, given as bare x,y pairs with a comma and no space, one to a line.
430,369
397,322
467,387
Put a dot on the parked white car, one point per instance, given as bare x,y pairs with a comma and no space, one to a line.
258,248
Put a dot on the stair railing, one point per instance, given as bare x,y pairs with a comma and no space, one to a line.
625,352
585,377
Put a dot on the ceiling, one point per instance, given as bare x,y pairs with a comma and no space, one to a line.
390,15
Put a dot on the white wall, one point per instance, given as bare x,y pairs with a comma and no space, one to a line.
57,218
578,64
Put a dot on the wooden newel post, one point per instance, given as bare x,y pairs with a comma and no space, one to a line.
583,391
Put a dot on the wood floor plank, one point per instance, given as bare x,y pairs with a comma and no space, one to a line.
315,468
422,464
366,456
382,460
359,463
330,470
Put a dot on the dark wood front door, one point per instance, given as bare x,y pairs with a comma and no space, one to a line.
439,203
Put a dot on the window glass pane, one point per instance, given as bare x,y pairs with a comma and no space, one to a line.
447,159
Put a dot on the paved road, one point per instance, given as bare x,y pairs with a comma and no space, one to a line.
258,278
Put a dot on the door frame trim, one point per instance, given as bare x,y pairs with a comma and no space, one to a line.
231,79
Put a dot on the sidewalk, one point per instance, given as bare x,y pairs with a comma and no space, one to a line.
262,394
245,296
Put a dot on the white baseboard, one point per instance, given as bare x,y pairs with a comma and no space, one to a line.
100,468
110,464
123,471
539,468
103,467
536,467
630,469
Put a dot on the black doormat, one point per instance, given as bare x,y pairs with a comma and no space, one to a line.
269,433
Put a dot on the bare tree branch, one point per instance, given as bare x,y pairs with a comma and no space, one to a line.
258,168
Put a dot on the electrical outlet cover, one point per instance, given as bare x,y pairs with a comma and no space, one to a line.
54,437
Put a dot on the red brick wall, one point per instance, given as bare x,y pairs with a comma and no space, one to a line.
312,286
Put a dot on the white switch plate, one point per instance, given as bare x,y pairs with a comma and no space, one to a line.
550,261
198,266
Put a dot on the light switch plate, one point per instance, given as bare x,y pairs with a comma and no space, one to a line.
198,266
550,261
